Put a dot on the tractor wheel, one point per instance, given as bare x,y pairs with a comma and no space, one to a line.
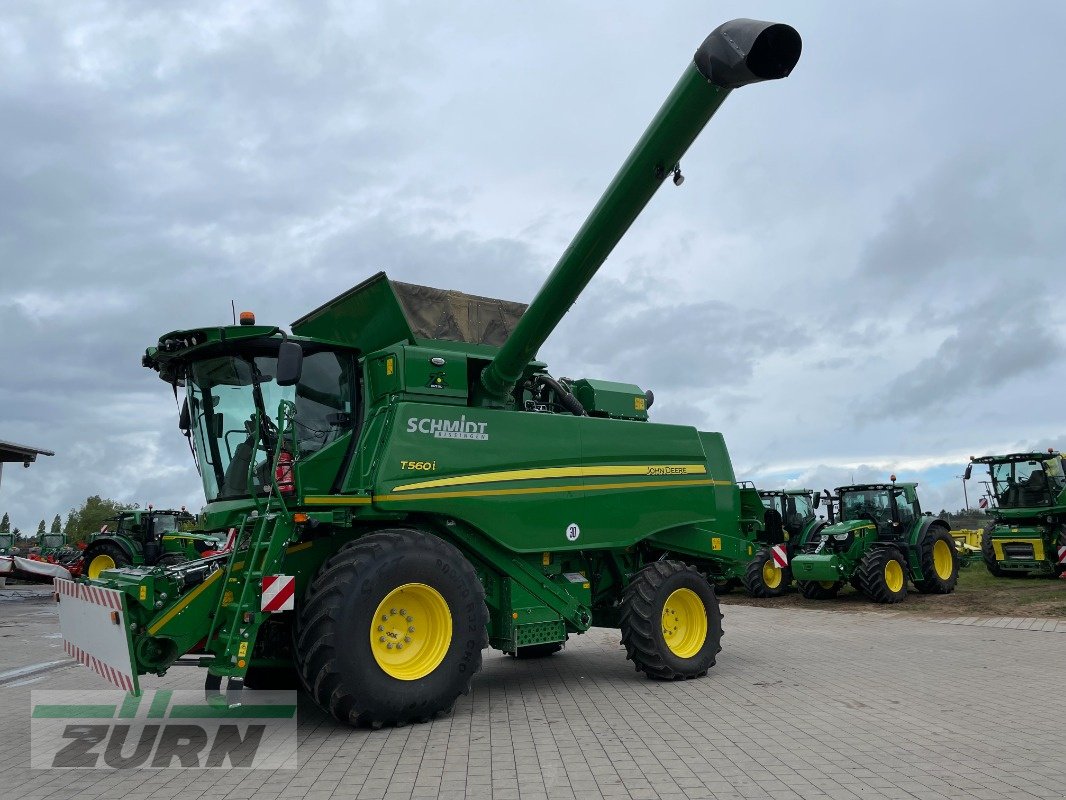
170,560
988,553
883,575
820,590
538,650
763,578
101,555
391,630
940,563
671,624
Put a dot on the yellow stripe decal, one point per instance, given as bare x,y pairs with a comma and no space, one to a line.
178,608
644,470
546,490
296,548
336,500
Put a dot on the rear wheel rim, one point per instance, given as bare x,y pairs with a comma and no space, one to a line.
684,623
894,575
99,564
942,561
411,631
771,574
827,584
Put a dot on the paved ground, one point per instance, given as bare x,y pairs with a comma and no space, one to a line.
806,704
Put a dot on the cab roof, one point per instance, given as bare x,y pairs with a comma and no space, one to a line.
873,487
1037,456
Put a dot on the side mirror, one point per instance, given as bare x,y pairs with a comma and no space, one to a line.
968,472
184,422
817,499
218,425
290,363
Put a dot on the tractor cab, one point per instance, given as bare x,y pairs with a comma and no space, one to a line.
892,508
1027,480
7,543
796,507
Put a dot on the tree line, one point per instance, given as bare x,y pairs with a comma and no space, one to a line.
88,518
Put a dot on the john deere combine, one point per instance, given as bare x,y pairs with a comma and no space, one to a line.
410,485
881,540
147,536
1028,533
790,522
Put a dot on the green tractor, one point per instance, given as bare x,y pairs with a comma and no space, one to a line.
1028,532
880,540
790,522
147,537
7,544
410,484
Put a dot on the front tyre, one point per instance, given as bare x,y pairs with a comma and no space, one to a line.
883,575
671,624
103,555
940,563
392,629
763,578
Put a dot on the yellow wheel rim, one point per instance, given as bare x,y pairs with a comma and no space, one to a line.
827,584
943,564
411,631
684,623
771,574
894,575
99,564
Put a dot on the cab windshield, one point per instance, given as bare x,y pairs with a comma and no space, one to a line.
224,394
869,504
1023,484
165,523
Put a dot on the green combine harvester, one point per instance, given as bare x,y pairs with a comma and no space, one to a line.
880,540
1028,532
149,537
411,485
790,523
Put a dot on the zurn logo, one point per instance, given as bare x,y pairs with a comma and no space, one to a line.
162,730
448,428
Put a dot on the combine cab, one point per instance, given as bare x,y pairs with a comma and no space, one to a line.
1028,533
146,537
410,485
880,540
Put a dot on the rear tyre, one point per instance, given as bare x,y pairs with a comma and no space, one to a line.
883,575
671,624
170,560
763,578
101,555
391,629
940,563
538,650
820,590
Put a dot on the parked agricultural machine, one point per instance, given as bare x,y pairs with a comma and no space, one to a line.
148,537
790,522
410,485
1028,532
880,540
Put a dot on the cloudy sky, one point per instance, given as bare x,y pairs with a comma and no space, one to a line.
857,276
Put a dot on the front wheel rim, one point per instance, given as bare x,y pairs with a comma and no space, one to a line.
942,562
411,631
684,623
99,564
894,576
771,574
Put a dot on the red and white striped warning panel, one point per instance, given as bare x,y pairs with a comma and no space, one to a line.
93,623
780,552
279,593
1062,555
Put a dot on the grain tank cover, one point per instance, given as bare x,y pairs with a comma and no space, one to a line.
380,312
